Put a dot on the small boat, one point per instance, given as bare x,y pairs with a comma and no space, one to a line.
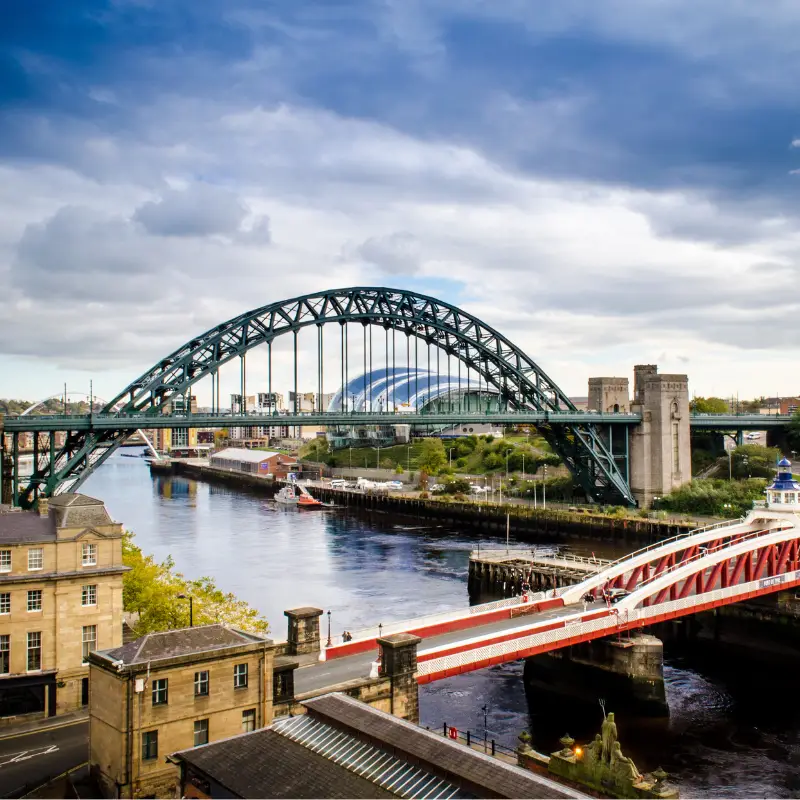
295,495
286,496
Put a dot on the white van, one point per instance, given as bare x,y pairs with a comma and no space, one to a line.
338,483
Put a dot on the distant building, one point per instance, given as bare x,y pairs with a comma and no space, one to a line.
172,690
342,747
60,598
784,492
254,462
178,441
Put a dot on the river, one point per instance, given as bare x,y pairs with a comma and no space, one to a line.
734,724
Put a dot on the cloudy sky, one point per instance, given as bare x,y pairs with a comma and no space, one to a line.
608,182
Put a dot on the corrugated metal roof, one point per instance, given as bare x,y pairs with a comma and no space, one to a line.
366,760
244,455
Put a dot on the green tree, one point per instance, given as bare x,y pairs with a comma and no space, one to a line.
709,405
754,461
794,430
432,456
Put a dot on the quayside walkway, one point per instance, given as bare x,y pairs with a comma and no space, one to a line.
689,573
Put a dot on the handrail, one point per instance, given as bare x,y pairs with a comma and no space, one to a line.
656,545
703,552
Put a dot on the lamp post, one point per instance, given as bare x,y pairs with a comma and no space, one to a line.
485,709
351,456
544,488
408,459
329,643
380,629
191,607
730,465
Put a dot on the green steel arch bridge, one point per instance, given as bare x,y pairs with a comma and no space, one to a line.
594,446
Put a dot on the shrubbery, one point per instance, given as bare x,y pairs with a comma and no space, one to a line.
715,498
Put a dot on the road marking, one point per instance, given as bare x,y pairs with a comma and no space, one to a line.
44,729
25,755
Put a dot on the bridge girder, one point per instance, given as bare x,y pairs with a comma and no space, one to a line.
516,377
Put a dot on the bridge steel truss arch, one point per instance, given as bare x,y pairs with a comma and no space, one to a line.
521,383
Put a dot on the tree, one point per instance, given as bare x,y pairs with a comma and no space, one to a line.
794,430
150,589
754,461
709,405
432,456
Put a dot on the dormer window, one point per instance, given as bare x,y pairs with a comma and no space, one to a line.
88,554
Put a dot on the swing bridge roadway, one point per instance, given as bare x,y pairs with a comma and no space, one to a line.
697,571
594,446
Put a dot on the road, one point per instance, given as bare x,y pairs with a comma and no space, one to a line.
339,670
32,758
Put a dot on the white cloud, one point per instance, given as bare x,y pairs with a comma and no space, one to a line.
586,278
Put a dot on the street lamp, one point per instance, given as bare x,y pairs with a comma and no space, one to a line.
485,709
380,629
408,459
544,488
191,607
329,642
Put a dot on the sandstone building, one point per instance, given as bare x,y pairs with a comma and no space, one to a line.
168,691
60,598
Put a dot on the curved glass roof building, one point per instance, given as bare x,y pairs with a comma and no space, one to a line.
388,390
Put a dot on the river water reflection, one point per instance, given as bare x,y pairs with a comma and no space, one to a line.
734,728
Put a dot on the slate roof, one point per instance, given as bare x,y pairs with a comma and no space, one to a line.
266,764
180,642
424,747
21,527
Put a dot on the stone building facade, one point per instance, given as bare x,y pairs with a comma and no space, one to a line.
168,691
60,597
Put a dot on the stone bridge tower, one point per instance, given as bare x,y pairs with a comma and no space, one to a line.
660,449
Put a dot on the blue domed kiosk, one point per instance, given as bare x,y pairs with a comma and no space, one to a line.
784,493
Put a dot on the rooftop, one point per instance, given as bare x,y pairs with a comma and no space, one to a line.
266,764
21,527
179,643
345,748
245,455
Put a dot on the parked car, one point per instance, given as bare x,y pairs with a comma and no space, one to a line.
437,487
615,595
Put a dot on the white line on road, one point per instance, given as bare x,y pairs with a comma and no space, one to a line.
24,755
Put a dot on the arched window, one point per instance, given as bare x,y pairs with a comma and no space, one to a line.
616,408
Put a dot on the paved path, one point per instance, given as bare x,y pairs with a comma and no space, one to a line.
32,758
339,670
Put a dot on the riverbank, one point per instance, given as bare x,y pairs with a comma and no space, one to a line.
523,520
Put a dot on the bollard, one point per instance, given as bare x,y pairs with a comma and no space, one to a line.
444,729
492,746
469,741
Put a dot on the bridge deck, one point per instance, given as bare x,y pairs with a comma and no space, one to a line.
133,422
328,673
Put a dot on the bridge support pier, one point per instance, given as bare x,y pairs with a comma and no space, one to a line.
399,664
626,672
660,448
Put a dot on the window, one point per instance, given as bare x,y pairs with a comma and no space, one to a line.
281,687
89,639
5,648
201,684
240,676
180,437
5,603
34,600
35,558
160,692
200,732
34,651
5,561
149,745
88,554
249,720
89,595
